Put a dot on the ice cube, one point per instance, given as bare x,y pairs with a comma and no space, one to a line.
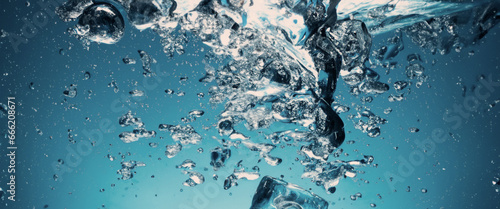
273,193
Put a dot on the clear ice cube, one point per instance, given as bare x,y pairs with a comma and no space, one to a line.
273,193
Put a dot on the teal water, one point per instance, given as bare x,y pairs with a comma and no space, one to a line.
456,172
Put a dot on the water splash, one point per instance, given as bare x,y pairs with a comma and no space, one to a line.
280,62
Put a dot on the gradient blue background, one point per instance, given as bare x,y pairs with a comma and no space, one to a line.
457,175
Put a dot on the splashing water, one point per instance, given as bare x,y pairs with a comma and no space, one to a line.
280,64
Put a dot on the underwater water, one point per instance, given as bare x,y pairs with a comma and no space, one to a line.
256,104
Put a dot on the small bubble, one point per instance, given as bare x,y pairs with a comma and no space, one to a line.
86,76
129,61
169,91
413,129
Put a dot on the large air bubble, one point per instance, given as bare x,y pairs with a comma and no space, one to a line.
101,23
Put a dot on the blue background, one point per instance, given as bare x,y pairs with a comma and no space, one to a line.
457,175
